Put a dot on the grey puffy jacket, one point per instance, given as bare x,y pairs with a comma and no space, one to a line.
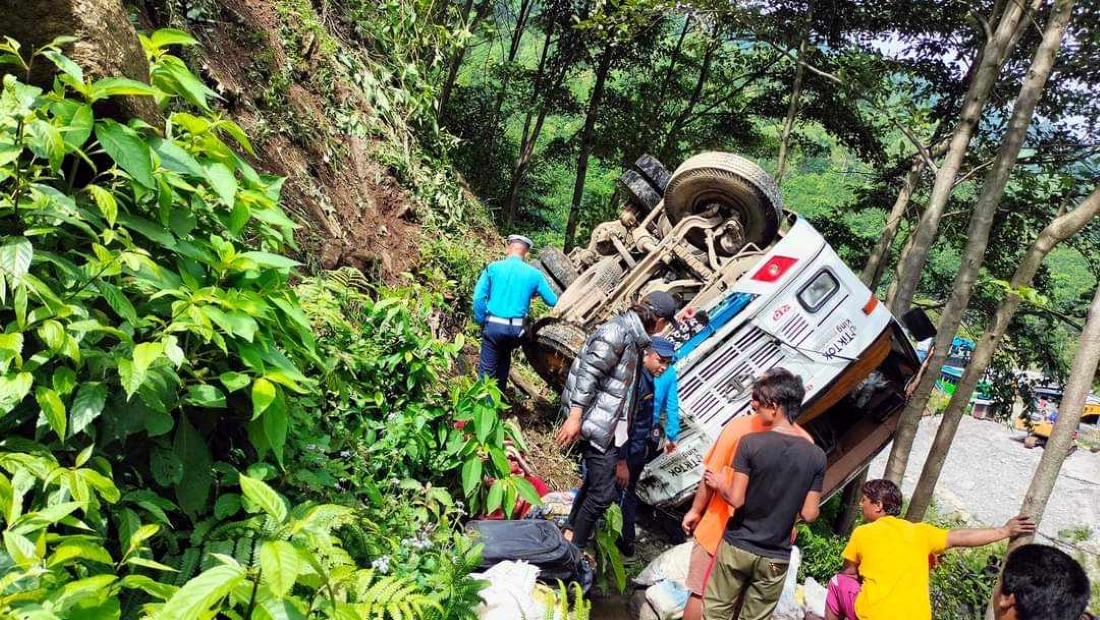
603,378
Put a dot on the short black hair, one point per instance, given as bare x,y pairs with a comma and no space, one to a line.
647,316
781,388
886,493
1048,584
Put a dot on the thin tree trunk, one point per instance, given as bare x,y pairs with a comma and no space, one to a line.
498,104
978,233
460,54
1069,416
849,506
991,59
529,139
696,94
880,254
792,109
521,25
586,143
657,105
1062,228
1083,371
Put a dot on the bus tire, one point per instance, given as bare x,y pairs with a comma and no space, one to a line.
639,192
558,265
737,186
653,171
551,349
554,286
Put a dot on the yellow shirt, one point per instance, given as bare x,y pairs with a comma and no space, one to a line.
892,554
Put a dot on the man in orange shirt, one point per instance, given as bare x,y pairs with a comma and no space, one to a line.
709,512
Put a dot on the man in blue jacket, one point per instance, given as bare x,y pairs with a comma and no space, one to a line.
634,454
502,298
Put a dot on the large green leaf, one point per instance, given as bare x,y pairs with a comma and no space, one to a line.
127,148
263,496
15,258
87,405
196,599
276,423
193,490
53,410
223,182
279,565
471,475
13,389
263,394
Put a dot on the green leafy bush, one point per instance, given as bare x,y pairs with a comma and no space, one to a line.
154,354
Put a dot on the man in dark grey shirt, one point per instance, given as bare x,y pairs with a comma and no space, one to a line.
777,478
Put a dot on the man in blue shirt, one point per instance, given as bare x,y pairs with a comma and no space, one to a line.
666,399
502,298
634,453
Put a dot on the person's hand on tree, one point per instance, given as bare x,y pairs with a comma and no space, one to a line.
622,474
1018,525
570,430
691,520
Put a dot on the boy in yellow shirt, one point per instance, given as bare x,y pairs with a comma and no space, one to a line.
885,575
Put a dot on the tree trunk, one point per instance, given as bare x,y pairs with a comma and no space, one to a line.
991,59
460,54
849,506
521,25
658,103
529,139
792,109
1069,416
978,233
1056,232
1083,371
880,254
696,94
586,143
499,102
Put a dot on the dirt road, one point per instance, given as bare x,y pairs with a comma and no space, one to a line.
987,474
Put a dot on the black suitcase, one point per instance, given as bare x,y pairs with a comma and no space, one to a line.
536,542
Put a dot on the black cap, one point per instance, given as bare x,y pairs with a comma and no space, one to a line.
662,304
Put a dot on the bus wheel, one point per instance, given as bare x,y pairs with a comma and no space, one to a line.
736,186
552,348
558,265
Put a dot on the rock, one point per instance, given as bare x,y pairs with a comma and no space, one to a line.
107,47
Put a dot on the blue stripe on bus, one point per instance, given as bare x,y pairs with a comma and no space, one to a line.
722,314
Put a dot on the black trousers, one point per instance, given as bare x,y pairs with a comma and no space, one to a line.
597,492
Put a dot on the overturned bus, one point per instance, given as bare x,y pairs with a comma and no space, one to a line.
715,235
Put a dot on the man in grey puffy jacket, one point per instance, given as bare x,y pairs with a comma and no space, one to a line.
599,399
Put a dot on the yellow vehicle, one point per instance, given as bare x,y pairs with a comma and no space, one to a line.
1045,404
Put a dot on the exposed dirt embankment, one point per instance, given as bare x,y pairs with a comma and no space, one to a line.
275,64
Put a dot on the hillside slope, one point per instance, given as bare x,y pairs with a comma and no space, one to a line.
316,108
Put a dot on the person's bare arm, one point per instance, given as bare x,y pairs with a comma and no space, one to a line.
698,505
978,537
733,492
850,568
811,507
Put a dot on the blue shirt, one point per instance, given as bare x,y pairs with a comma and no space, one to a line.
666,397
506,287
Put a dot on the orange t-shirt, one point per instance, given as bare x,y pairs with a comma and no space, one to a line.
708,533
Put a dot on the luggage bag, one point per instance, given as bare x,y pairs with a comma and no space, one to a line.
537,542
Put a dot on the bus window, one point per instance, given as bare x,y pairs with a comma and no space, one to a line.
814,295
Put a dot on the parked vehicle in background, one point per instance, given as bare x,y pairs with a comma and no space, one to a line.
1038,420
714,234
